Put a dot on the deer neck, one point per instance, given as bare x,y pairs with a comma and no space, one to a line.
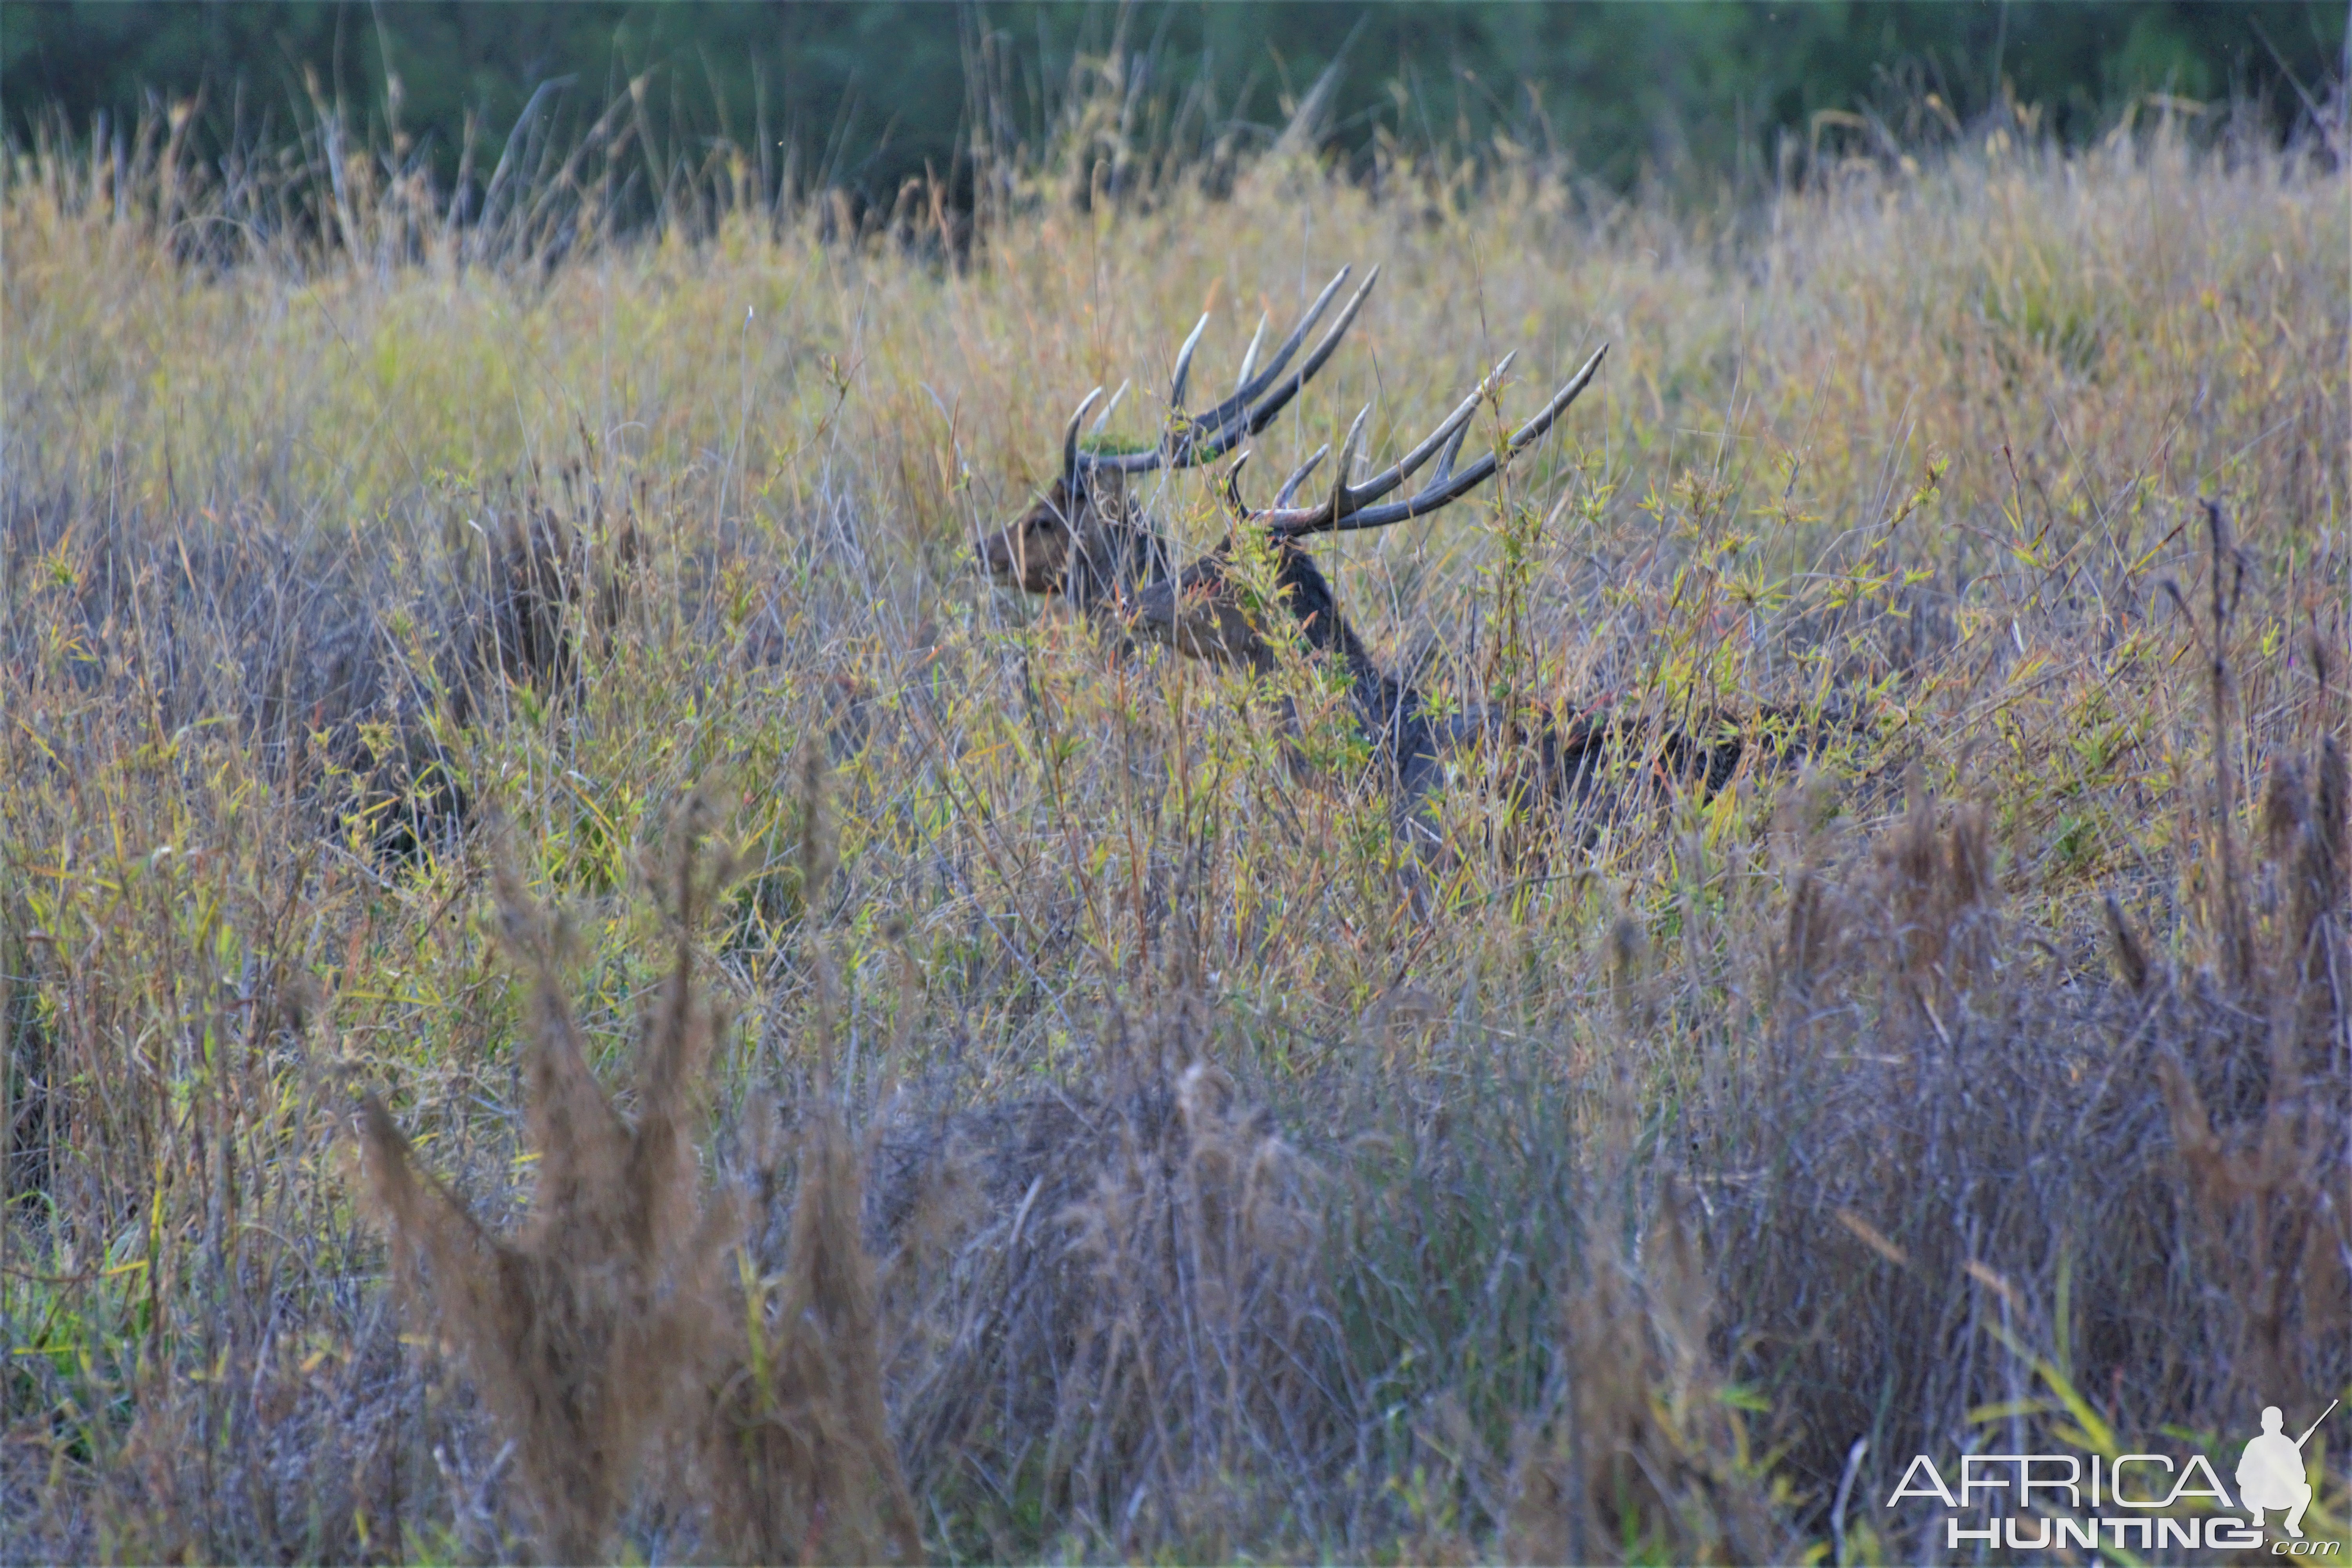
1320,620
1112,557
1386,705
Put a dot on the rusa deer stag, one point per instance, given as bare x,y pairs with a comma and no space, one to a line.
1087,542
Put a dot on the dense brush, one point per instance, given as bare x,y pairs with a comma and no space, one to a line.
1960,1065
794,1441
582,1329
1108,1293
1639,1451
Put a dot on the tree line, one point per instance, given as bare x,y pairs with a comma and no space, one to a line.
860,97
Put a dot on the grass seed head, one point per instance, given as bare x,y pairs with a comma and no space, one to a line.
583,1327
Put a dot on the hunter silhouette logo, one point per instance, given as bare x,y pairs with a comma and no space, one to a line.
2270,1472
2141,1502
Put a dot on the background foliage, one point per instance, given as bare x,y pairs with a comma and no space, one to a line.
1093,1119
864,96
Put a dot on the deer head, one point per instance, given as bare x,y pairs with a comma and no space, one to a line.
1259,591
1085,541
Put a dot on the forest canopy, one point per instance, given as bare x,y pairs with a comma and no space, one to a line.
860,97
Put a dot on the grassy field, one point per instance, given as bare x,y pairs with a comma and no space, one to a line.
1086,1115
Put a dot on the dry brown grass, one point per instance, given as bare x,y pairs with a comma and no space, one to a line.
582,1329
607,1322
1109,1301
2262,1175
1638,1451
1154,1178
793,1440
2027,1215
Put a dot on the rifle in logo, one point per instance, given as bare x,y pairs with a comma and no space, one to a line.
2270,1472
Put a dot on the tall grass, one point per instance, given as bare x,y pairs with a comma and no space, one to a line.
1651,1195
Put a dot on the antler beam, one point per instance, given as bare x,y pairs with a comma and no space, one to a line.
1204,438
1349,507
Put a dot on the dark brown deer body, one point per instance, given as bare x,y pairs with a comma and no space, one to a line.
1556,756
1087,542
1198,614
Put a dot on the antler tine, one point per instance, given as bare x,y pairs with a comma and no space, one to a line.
1262,414
1354,442
1184,365
1209,435
1249,356
1239,507
1448,433
1249,389
1102,420
1453,449
1454,486
1299,476
1070,438
1347,498
1346,512
1528,433
1343,499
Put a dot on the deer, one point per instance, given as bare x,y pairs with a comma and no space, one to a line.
1087,542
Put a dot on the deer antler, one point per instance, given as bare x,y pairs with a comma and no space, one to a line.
1348,506
1204,438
